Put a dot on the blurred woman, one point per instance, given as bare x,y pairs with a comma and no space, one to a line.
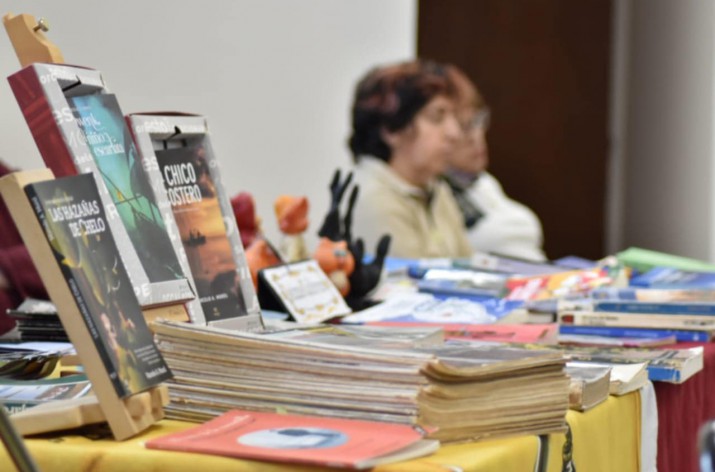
404,127
495,223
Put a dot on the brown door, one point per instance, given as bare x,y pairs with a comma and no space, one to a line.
543,67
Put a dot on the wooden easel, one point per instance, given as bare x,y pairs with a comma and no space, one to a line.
126,416
28,39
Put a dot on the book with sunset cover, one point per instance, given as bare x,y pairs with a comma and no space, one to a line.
192,194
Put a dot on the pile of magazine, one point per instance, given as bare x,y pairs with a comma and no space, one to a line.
465,392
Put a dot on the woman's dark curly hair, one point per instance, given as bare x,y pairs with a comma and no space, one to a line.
388,98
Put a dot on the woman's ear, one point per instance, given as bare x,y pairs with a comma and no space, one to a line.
391,138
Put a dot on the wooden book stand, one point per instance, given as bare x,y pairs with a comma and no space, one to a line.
28,39
126,416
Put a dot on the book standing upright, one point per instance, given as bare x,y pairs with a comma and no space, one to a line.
79,128
64,227
176,152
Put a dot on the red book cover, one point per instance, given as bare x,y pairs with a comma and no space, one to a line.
277,437
545,333
557,285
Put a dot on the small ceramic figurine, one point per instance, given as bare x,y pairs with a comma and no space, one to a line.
260,255
292,214
249,224
337,262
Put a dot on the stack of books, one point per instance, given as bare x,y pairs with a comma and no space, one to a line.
685,314
36,320
466,392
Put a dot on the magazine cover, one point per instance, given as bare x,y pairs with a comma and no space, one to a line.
301,439
70,211
197,211
107,136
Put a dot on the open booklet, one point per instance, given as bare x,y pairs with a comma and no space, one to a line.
301,439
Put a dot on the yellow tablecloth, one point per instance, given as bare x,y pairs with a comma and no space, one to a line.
606,438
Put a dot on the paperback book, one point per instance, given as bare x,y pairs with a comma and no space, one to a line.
175,150
462,283
424,307
303,290
590,385
680,335
103,129
562,284
637,320
297,439
194,200
75,224
653,295
671,278
546,333
79,128
16,396
36,320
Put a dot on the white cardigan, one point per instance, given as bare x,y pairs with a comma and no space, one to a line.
508,227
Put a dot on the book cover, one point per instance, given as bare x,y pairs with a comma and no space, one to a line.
303,290
194,200
672,278
637,320
106,134
466,283
665,365
681,335
511,333
653,295
16,396
615,341
667,308
44,93
558,285
646,259
424,307
74,221
298,439
170,130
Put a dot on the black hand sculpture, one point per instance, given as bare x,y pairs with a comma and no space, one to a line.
365,277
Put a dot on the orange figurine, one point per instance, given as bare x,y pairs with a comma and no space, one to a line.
337,262
292,214
260,255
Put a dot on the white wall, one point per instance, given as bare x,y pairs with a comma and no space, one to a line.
274,78
669,155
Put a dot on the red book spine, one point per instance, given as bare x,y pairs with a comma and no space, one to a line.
42,121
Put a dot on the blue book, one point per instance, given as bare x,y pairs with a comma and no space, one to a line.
667,308
618,332
669,277
656,295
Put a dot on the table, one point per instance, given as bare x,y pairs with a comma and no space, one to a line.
606,438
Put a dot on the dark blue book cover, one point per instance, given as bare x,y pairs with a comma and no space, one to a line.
75,223
618,332
105,132
666,308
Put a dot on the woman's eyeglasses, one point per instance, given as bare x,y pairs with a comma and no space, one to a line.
480,120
